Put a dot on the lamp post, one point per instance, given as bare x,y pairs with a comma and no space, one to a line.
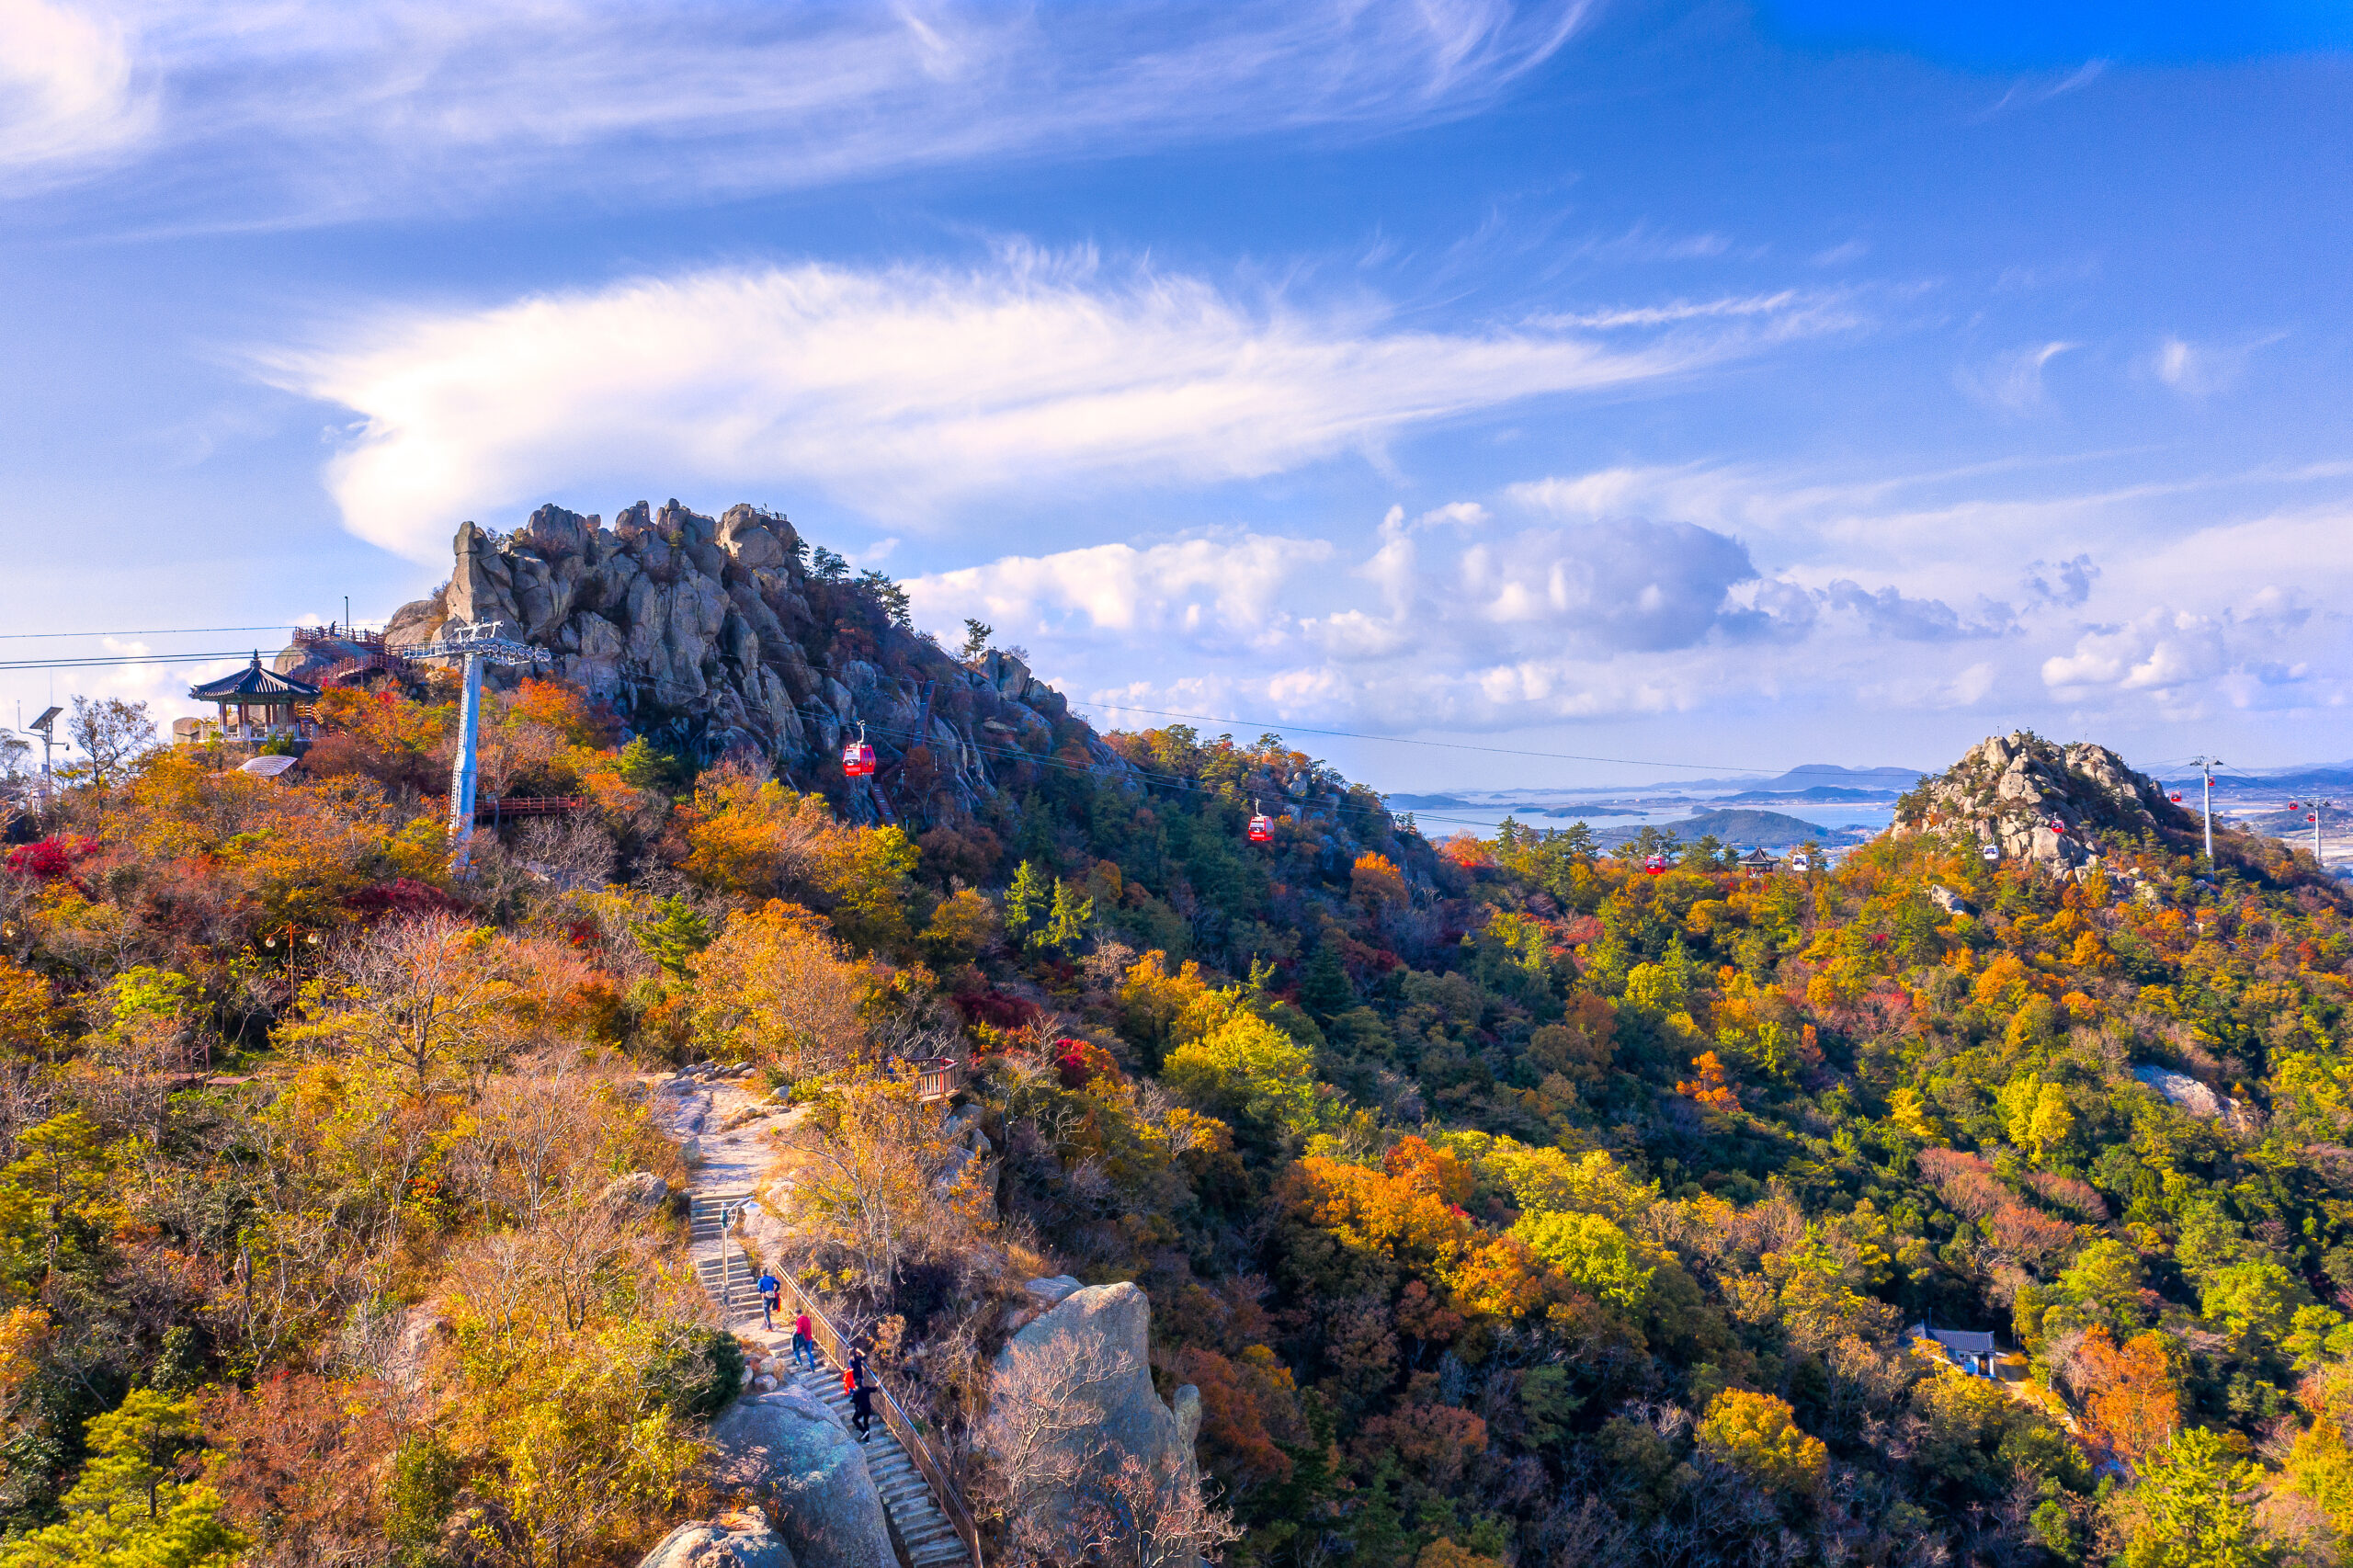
472,644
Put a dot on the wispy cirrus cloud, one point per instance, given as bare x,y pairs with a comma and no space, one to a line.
67,95
900,390
2012,383
262,111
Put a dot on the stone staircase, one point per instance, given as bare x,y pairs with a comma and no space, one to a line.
925,1537
727,1276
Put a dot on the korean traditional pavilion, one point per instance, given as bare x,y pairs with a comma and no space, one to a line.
267,704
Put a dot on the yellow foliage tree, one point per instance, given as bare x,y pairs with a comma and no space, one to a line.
777,988
1758,1436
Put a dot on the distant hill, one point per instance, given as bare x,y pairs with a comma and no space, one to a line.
1828,793
1487,807
1829,774
1768,830
2287,782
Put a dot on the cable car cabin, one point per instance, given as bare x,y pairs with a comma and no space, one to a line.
857,760
1991,852
1655,865
2175,798
1800,861
1262,829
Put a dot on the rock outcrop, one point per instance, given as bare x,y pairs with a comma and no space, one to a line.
791,1452
1100,1337
639,1193
2033,799
742,1540
714,635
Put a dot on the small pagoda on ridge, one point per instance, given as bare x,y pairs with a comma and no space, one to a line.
268,706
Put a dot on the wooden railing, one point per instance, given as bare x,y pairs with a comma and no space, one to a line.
901,1426
937,1077
497,808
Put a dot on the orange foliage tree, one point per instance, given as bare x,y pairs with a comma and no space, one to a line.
2130,1403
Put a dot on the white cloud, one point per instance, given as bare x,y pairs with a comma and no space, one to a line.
2160,650
1606,616
1196,588
2032,90
1680,311
66,91
899,390
2013,382
1933,689
2201,369
318,112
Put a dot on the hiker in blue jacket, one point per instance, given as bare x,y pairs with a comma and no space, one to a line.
771,1297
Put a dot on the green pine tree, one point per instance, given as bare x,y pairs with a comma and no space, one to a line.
128,1505
1025,905
642,766
675,938
2196,1508
1325,990
1066,926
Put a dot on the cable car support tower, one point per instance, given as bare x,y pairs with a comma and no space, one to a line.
2206,766
474,644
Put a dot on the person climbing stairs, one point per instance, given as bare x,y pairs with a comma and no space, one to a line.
918,1519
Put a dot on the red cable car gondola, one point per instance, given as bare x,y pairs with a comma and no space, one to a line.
2176,798
857,758
1262,827
1655,865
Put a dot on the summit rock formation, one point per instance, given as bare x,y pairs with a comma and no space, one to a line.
711,635
2036,800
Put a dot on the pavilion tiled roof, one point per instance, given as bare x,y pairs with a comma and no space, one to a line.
254,683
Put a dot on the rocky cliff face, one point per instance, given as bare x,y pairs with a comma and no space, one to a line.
710,635
2033,798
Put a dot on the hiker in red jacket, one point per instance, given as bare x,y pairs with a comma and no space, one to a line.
804,1343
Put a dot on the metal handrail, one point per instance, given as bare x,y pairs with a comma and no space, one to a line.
897,1422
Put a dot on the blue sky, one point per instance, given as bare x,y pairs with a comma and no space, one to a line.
1737,385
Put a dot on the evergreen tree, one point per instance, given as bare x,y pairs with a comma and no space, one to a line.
1024,905
130,1505
1325,990
888,597
2196,1503
1066,926
642,766
676,937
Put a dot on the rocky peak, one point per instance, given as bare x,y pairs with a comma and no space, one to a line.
708,635
2036,800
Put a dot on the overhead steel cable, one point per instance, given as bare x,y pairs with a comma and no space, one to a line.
154,631
1171,780
1274,725
118,660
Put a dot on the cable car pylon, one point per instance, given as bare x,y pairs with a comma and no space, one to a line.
473,644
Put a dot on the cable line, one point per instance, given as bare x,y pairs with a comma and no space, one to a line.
1272,725
115,661
149,631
